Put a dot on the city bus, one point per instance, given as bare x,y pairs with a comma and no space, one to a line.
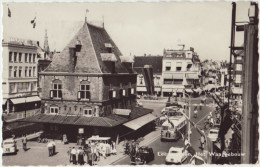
174,126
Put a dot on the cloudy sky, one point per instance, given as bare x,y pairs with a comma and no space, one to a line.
136,28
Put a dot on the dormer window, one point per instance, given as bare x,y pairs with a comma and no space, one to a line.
109,47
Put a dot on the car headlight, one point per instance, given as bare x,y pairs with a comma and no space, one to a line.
172,159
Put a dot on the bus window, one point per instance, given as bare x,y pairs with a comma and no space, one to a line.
165,128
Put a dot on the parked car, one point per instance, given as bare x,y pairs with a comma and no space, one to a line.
176,155
143,156
213,134
9,146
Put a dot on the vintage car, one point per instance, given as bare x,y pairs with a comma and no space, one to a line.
142,156
9,146
176,155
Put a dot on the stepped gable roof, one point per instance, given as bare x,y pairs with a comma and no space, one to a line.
155,61
89,60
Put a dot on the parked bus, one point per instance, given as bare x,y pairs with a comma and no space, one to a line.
174,126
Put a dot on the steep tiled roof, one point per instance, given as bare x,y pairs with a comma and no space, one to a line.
155,61
89,60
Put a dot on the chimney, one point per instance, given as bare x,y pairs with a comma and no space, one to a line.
72,59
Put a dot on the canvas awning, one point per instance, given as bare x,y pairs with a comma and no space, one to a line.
177,76
25,100
139,122
192,76
3,101
167,76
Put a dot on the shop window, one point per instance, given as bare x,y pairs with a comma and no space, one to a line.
56,92
54,110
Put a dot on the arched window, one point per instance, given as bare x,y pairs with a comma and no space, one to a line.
84,92
56,91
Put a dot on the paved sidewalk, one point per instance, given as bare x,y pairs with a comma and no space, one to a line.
149,138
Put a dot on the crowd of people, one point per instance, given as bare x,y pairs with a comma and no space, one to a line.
91,153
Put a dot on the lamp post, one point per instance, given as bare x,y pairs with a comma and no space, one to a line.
189,129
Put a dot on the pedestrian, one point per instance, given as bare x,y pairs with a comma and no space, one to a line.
80,156
54,147
50,148
24,141
186,142
69,153
201,106
202,142
195,113
114,148
90,157
73,154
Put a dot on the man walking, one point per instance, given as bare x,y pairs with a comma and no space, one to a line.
73,154
53,147
50,148
24,141
202,142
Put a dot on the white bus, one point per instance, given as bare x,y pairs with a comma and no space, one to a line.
174,127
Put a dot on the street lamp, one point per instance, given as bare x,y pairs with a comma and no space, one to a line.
189,129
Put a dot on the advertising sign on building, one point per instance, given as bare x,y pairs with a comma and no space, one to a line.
81,130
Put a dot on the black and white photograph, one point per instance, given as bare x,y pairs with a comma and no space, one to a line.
129,83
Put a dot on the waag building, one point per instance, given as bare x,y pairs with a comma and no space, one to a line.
89,89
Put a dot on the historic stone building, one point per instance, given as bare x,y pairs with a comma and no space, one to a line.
89,87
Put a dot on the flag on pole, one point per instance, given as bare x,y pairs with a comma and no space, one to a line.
33,22
9,12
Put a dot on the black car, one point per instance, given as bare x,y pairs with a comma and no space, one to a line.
142,156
